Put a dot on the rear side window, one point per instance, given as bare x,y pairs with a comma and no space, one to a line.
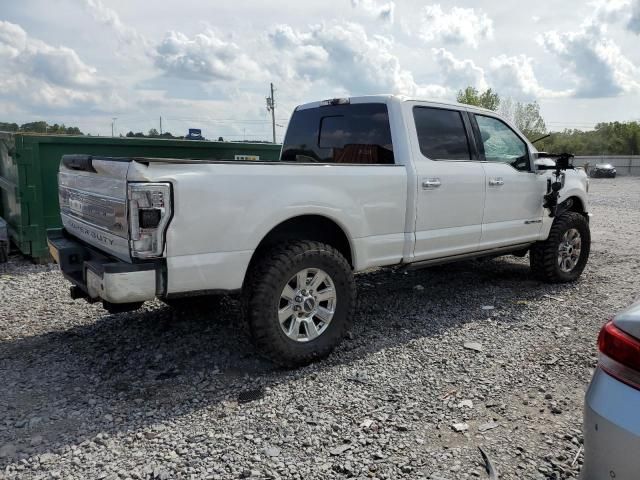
357,133
441,134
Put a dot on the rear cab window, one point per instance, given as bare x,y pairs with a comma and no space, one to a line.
343,134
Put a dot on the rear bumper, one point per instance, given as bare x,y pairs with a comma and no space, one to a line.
97,276
611,430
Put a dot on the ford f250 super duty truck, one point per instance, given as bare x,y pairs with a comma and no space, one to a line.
361,182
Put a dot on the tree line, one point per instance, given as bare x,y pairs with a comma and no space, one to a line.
153,133
40,127
607,138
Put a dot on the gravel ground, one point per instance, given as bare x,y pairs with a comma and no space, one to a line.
154,394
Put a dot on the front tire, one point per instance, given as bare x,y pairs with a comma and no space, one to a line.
562,257
299,301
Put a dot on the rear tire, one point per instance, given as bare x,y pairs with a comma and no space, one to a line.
562,257
299,300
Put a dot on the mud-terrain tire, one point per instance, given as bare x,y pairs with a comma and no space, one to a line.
291,323
562,257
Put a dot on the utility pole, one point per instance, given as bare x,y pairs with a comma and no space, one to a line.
271,107
160,124
113,122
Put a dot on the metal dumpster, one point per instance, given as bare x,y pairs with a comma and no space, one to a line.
29,169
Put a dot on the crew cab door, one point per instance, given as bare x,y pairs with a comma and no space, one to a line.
450,182
514,191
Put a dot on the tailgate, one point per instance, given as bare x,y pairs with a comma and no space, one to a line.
93,201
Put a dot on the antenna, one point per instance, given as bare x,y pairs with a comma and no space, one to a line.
542,137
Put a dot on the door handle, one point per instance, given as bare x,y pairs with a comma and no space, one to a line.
496,182
430,183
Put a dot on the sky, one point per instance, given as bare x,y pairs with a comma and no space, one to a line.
208,64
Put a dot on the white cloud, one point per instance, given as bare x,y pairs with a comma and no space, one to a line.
35,73
459,26
109,17
129,68
344,55
634,21
458,74
596,62
511,76
13,40
55,65
205,57
514,76
615,11
381,11
610,11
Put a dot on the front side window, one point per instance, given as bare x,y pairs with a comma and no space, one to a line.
501,144
441,134
358,133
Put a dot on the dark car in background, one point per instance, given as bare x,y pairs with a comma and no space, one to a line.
603,170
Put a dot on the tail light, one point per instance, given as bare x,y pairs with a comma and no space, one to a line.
149,213
619,355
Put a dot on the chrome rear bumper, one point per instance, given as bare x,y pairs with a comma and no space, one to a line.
98,277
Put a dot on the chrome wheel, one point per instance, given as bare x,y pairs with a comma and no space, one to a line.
307,304
569,250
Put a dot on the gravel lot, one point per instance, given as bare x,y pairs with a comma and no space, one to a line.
154,394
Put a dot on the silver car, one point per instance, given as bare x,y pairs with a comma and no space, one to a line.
612,403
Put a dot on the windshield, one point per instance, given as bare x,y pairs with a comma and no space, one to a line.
604,165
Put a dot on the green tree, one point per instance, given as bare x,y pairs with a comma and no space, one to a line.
471,96
41,127
153,133
8,127
526,116
529,121
35,127
614,138
634,142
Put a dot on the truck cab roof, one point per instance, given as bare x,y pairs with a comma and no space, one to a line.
390,98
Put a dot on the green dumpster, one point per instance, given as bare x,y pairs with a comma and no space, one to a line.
29,169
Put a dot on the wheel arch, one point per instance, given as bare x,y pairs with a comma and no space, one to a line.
313,227
575,204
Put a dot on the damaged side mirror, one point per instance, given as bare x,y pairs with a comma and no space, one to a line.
558,163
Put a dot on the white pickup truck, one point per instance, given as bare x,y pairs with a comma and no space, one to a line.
361,182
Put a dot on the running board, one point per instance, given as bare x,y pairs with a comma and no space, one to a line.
465,256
